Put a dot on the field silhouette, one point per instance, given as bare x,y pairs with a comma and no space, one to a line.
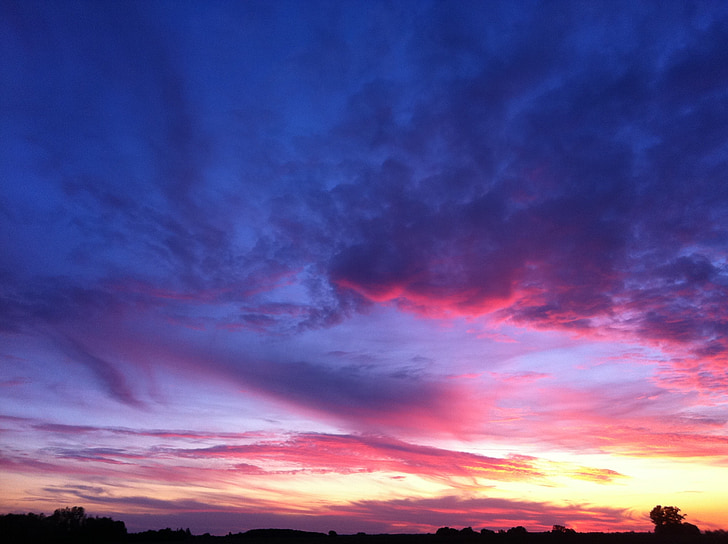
72,525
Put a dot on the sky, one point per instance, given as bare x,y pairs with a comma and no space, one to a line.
364,266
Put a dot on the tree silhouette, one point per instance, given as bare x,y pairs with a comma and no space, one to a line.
669,520
69,520
65,526
663,516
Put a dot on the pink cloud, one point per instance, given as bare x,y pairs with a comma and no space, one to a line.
520,378
426,515
347,454
263,454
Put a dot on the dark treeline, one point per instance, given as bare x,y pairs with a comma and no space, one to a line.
66,525
72,525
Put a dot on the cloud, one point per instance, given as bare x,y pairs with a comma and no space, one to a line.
108,374
62,429
167,456
352,454
574,226
492,513
238,197
358,394
373,517
14,382
499,177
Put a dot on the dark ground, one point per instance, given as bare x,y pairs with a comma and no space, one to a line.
72,526
277,536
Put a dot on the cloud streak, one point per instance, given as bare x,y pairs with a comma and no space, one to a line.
402,232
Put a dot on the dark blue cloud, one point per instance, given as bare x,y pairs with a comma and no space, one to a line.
555,168
561,164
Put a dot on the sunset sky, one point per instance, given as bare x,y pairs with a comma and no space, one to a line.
364,266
